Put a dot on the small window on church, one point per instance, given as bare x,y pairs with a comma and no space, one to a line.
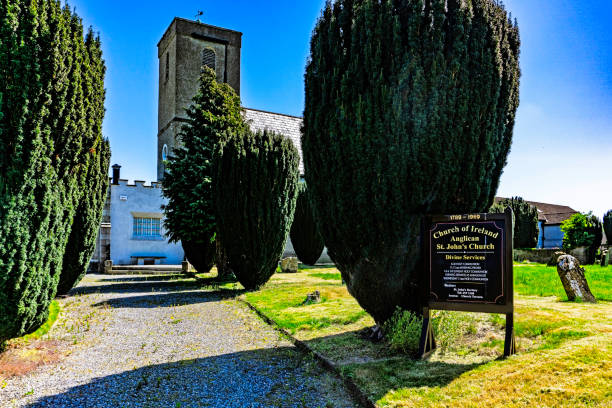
209,59
167,66
165,153
147,228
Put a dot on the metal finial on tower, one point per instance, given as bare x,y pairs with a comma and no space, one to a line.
197,16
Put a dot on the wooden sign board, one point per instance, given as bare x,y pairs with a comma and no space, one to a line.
468,267
469,263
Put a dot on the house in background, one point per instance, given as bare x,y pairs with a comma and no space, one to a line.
550,217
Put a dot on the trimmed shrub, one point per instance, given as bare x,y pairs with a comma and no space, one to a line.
582,230
45,93
200,254
305,236
526,228
188,181
409,110
607,226
255,191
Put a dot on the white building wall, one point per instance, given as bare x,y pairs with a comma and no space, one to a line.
126,201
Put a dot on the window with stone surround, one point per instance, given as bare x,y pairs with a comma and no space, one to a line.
147,228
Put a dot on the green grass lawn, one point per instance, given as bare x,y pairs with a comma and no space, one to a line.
542,280
564,358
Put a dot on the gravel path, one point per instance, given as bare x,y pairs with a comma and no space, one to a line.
142,341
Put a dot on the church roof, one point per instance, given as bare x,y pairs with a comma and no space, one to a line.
289,126
551,214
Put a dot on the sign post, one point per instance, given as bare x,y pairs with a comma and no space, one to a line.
468,267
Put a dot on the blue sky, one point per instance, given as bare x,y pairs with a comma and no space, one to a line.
562,150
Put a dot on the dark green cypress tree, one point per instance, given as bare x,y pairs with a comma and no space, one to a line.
597,231
305,236
41,131
189,214
255,191
526,228
409,110
29,200
86,224
607,226
93,171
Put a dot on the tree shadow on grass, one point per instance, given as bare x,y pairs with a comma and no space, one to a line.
276,377
379,378
377,370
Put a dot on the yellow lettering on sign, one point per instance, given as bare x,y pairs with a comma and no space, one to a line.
439,234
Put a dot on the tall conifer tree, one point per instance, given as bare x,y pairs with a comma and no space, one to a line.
409,110
607,226
256,176
92,169
526,230
42,126
305,236
188,182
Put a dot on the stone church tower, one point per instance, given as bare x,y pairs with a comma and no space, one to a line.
185,47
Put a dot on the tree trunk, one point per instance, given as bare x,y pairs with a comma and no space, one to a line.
224,272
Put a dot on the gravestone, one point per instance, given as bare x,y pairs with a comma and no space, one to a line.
289,265
573,279
605,258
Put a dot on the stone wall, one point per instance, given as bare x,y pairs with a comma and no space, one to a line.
533,255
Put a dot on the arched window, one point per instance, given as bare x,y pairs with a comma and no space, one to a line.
209,58
165,153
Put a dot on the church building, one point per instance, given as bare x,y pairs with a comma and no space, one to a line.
132,231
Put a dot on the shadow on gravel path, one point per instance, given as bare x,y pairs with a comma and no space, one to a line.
170,299
136,287
238,380
154,291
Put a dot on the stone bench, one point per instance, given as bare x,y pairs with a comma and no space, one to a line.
146,259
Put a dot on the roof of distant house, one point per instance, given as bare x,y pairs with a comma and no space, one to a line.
551,214
287,125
